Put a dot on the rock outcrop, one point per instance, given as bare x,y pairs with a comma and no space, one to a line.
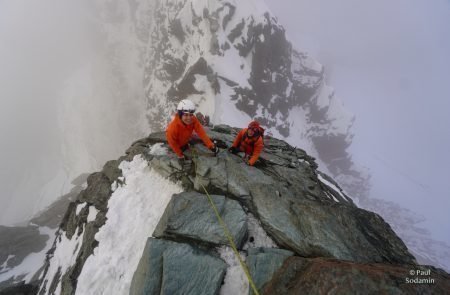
189,216
308,217
284,191
162,270
323,276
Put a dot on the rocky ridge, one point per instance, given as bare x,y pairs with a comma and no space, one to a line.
19,242
301,210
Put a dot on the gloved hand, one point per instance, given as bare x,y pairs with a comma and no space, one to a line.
233,150
215,150
184,163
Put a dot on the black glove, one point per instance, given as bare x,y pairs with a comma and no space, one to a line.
215,150
184,163
233,150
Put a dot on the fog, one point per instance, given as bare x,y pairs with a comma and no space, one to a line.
63,113
60,108
389,62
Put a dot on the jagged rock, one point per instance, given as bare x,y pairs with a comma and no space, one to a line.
292,204
324,276
76,222
313,229
189,216
263,263
98,191
227,174
157,137
20,289
137,148
167,267
111,170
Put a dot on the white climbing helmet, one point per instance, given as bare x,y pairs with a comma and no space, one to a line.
186,106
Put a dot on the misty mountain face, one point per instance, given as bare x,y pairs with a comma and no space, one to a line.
407,225
234,61
144,225
231,58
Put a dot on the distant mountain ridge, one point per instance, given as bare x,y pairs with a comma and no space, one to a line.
233,59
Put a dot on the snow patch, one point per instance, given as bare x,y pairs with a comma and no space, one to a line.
79,208
332,186
65,255
255,231
226,111
235,281
134,210
158,149
5,264
92,214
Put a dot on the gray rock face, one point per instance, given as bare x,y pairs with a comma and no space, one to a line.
329,276
284,191
263,263
302,210
190,216
314,229
173,268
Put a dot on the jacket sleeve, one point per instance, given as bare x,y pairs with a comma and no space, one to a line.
171,139
238,138
201,132
259,145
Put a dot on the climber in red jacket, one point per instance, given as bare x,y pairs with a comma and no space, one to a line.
180,129
250,141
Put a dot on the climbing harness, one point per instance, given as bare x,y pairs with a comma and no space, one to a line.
227,233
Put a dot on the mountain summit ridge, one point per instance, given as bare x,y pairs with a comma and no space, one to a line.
293,203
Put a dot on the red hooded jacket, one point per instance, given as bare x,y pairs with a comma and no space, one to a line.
178,134
249,145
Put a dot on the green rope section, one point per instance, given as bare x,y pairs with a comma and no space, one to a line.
228,234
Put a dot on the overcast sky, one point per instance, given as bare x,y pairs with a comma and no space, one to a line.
388,60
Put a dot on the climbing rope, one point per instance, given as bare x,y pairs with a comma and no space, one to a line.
227,233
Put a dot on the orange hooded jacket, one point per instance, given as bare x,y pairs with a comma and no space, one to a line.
178,134
249,145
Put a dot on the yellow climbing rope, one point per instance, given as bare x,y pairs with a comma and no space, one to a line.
228,234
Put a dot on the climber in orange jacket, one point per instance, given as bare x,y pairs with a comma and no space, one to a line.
180,129
250,141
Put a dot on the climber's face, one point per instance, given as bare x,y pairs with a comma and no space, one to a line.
187,118
250,132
